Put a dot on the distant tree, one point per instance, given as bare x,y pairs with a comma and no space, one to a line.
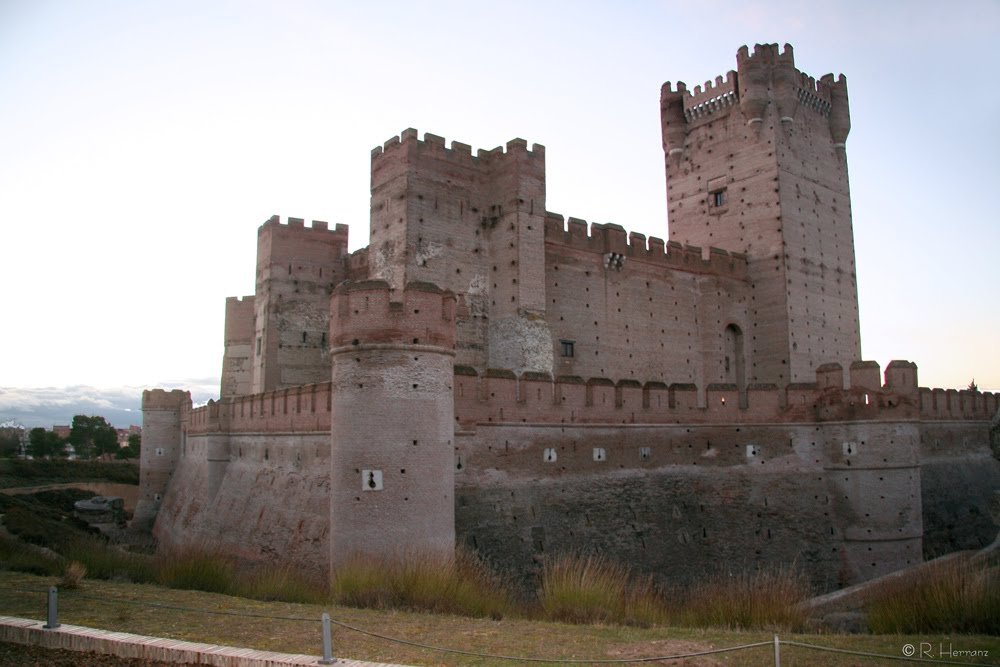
973,386
10,441
93,436
44,444
133,448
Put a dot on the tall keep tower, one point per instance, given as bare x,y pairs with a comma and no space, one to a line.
475,225
756,164
392,416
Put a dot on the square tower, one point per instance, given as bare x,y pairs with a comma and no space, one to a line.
297,269
472,224
756,164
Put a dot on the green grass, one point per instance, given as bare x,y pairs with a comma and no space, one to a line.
18,556
961,595
280,583
106,561
44,523
18,472
124,607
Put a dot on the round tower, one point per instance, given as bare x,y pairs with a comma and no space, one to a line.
163,416
392,421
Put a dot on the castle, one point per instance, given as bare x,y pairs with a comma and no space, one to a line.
489,373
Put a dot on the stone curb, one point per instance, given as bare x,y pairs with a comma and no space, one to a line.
125,645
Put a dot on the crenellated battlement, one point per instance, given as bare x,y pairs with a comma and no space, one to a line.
302,409
292,223
957,404
161,399
611,238
458,152
765,55
503,397
714,97
371,312
766,74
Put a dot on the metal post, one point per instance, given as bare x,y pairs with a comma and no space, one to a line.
328,658
52,617
777,652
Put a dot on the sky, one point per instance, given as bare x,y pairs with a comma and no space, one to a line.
143,143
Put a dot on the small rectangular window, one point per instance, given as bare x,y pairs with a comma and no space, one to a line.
567,347
258,346
718,198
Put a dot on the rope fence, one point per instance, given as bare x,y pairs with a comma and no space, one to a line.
326,621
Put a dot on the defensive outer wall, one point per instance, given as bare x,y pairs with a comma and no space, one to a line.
491,374
846,483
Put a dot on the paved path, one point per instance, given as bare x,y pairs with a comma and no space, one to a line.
126,645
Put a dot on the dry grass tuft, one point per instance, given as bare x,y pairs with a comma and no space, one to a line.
73,574
765,599
462,585
196,569
280,583
593,589
957,596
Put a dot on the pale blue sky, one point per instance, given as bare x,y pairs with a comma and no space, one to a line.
142,143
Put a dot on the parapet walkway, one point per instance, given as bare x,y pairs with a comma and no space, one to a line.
125,645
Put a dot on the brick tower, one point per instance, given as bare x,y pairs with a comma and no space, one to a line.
473,224
392,420
164,414
756,164
297,268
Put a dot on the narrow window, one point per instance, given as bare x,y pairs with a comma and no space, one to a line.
567,347
303,336
258,346
718,198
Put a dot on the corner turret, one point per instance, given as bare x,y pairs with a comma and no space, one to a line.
392,418
164,416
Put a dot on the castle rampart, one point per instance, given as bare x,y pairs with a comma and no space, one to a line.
491,373
304,409
863,458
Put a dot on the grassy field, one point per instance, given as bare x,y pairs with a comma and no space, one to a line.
17,472
222,619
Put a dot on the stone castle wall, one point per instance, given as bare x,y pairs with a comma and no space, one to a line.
270,504
641,473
